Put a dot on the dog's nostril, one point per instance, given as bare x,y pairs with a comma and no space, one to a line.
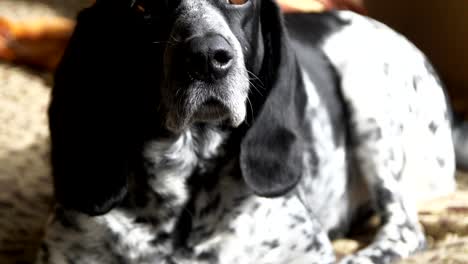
195,61
222,57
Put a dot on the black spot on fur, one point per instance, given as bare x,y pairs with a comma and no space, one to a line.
209,256
298,218
307,234
441,162
147,220
314,245
386,68
161,238
416,81
385,256
255,208
272,244
231,230
433,127
293,247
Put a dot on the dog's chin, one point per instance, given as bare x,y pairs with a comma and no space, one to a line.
211,111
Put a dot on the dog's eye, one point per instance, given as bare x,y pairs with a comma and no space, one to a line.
145,10
140,8
237,2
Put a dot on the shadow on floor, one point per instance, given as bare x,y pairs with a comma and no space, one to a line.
25,202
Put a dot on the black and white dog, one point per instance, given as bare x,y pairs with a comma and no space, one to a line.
219,131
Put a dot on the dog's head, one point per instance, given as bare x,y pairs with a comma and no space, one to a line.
205,78
205,52
136,68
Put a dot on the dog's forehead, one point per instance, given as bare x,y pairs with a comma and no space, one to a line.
199,7
213,15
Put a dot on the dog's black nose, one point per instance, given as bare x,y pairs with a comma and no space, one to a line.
208,57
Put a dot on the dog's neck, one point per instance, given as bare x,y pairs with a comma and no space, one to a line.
168,163
178,156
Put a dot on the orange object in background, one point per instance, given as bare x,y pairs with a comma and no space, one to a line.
321,5
41,42
303,5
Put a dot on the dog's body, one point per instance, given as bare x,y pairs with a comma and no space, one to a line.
361,122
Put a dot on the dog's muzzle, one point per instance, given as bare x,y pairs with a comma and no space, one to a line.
207,82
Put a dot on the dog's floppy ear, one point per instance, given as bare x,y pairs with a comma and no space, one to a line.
94,113
271,151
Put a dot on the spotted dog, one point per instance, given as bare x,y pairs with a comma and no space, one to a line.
219,131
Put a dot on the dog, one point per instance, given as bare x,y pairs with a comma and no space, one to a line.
212,131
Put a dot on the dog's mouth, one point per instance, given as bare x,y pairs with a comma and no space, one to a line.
211,110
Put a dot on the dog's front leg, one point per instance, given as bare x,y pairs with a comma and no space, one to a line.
381,161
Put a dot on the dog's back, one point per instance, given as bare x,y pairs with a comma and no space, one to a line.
380,70
393,116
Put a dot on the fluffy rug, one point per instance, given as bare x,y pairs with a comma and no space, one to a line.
25,185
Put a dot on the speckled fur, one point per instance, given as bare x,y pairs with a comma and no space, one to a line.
190,204
227,223
397,110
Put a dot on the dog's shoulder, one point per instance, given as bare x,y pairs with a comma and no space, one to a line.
313,28
320,79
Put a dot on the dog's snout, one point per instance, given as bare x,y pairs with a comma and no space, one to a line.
209,57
